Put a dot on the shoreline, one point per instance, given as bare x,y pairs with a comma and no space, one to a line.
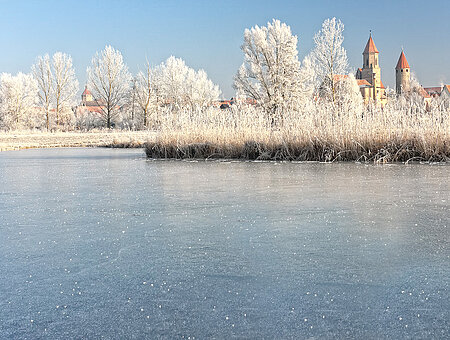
404,151
21,140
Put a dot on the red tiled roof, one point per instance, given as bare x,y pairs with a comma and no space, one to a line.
423,93
382,85
338,77
86,92
402,62
447,87
435,89
370,46
362,82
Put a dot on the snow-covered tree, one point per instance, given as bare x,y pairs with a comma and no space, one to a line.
202,90
42,72
109,81
18,99
145,92
348,96
329,57
179,86
270,72
170,81
415,100
58,86
307,77
65,87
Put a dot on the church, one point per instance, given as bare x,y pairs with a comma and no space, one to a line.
369,76
89,104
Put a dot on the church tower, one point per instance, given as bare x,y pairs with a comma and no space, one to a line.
86,96
402,75
370,61
371,72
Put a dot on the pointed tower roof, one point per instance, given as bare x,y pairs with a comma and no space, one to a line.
402,62
86,91
370,46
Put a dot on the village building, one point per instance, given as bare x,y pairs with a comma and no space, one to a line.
441,93
446,92
89,104
435,91
369,76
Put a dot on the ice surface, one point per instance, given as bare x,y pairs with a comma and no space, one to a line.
104,243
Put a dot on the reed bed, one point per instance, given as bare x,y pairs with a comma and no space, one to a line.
318,134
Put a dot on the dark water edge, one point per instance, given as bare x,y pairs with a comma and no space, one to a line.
411,150
103,243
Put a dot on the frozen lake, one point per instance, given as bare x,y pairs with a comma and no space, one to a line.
102,243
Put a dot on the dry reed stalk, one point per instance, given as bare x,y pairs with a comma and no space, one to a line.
383,136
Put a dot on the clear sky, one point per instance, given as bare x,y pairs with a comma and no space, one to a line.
208,34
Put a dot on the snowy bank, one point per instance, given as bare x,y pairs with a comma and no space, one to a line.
118,139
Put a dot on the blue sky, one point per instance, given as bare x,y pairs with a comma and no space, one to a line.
208,34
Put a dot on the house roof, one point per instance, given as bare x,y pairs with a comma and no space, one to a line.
360,82
447,87
436,89
370,46
338,77
423,93
402,62
363,82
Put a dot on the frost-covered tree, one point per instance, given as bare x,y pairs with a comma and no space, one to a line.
270,72
348,96
18,99
415,100
329,57
201,90
170,81
307,77
58,86
109,81
145,92
42,72
65,87
179,86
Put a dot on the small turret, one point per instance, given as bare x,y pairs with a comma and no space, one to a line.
402,75
86,96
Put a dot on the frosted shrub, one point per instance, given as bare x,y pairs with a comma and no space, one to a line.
86,120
